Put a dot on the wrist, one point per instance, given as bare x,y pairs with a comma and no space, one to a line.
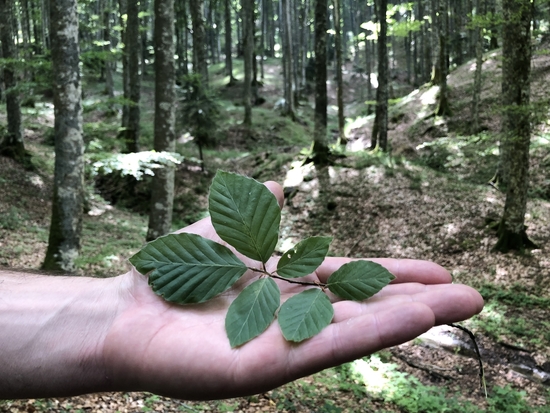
53,333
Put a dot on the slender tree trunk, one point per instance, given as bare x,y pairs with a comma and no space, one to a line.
248,34
181,38
435,42
380,130
133,49
320,140
66,221
200,64
288,59
109,83
162,186
123,7
516,70
12,143
443,108
475,126
339,75
228,43
144,32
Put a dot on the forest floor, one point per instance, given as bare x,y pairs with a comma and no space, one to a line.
429,200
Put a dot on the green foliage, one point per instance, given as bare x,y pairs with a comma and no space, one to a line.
349,280
256,305
199,110
514,295
187,268
136,164
305,314
12,219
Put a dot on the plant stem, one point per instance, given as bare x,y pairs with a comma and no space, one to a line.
263,271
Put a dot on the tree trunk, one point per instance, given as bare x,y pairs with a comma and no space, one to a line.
443,108
339,76
248,34
475,126
12,143
145,20
123,7
181,38
162,185
435,43
380,131
288,59
320,140
228,43
109,84
66,222
133,48
516,69
200,64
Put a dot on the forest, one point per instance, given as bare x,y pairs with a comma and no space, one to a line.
407,130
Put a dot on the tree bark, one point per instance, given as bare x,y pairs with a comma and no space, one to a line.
12,144
339,76
320,140
443,108
200,64
66,222
380,129
475,126
228,43
516,69
248,34
288,60
133,49
162,186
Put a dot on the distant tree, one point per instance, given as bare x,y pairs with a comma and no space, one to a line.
516,129
11,144
181,30
320,141
380,128
228,43
247,7
339,75
66,222
200,64
478,34
132,47
289,84
162,187
443,108
108,66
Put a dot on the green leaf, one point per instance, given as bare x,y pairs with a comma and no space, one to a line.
187,268
359,280
304,258
305,314
245,214
252,311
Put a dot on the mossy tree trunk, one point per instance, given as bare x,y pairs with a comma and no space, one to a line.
320,142
516,133
66,222
162,186
11,144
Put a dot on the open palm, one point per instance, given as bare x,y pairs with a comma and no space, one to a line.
183,351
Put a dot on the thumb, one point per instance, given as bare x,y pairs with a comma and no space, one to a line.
277,190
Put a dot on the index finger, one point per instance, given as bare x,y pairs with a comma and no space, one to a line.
404,270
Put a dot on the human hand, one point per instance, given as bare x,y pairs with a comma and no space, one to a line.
183,351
